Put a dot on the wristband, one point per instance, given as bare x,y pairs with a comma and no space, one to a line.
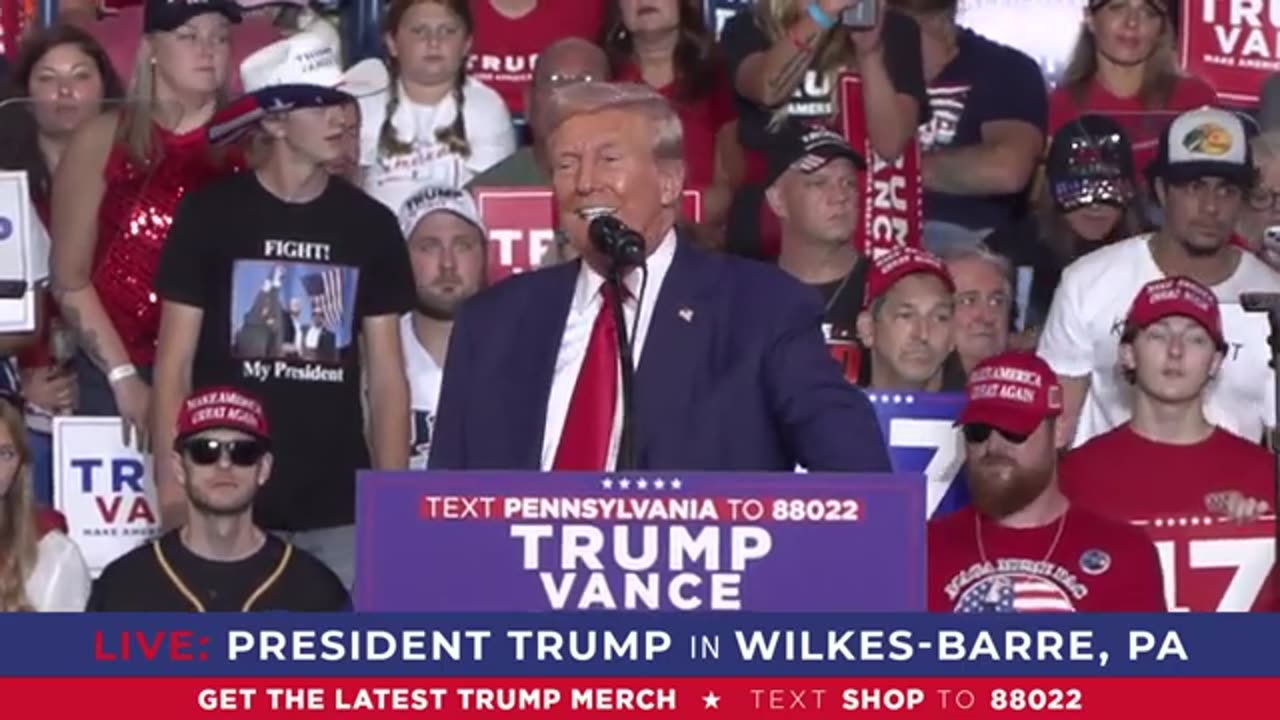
120,372
820,16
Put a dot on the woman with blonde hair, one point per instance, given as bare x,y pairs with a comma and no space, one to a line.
115,193
434,125
1125,65
41,569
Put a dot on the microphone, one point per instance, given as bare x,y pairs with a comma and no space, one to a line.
619,243
1260,301
1269,104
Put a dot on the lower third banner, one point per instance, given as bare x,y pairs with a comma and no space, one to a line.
493,542
730,699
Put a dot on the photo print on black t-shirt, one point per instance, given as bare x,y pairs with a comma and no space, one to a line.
948,103
292,320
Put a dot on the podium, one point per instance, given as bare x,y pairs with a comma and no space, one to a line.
649,542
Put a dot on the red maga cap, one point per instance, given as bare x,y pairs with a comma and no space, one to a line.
1012,391
898,263
1179,295
224,408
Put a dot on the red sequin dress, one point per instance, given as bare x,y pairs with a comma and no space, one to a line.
133,222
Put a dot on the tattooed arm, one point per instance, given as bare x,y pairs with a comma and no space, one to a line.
78,187
770,76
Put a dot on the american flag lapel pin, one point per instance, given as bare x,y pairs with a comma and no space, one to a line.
686,314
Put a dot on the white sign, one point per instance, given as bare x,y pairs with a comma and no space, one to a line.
24,254
103,487
1242,398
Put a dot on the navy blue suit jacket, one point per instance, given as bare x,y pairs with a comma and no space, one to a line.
746,383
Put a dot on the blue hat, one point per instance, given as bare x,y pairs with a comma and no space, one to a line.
300,71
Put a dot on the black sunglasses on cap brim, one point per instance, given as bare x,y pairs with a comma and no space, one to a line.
208,451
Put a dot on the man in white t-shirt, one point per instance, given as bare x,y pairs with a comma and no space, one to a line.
1201,176
448,253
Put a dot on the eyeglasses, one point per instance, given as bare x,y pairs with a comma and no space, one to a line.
1264,199
207,451
979,433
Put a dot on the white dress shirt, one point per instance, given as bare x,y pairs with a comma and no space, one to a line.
577,334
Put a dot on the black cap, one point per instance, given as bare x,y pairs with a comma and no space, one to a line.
1090,161
167,15
807,149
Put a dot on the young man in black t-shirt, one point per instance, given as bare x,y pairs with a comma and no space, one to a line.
813,189
292,282
220,561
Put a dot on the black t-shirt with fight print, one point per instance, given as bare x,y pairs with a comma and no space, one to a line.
284,288
165,576
813,98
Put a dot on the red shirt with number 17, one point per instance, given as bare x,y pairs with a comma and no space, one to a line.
1210,564
1092,565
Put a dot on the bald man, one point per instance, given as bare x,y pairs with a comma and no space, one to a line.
564,62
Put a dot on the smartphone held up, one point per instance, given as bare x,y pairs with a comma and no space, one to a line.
861,15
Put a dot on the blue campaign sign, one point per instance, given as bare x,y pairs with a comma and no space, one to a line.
922,437
563,542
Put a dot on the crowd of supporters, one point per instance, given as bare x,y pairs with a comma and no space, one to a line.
260,252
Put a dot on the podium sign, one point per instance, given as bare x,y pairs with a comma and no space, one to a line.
531,542
521,226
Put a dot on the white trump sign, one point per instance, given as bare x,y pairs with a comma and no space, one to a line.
103,487
24,254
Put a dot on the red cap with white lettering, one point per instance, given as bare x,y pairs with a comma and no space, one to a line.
888,268
224,408
1182,296
1012,391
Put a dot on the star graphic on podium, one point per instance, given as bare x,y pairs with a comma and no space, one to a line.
711,701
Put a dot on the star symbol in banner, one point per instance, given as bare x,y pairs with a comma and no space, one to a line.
642,484
624,483
675,484
607,484
711,701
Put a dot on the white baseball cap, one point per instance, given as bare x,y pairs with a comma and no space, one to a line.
1207,142
433,199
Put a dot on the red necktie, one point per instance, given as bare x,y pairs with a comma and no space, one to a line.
588,426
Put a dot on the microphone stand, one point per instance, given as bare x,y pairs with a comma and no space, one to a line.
627,445
1270,304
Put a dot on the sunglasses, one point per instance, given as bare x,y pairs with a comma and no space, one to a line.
979,432
207,451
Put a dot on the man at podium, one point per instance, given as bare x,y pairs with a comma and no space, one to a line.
731,372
